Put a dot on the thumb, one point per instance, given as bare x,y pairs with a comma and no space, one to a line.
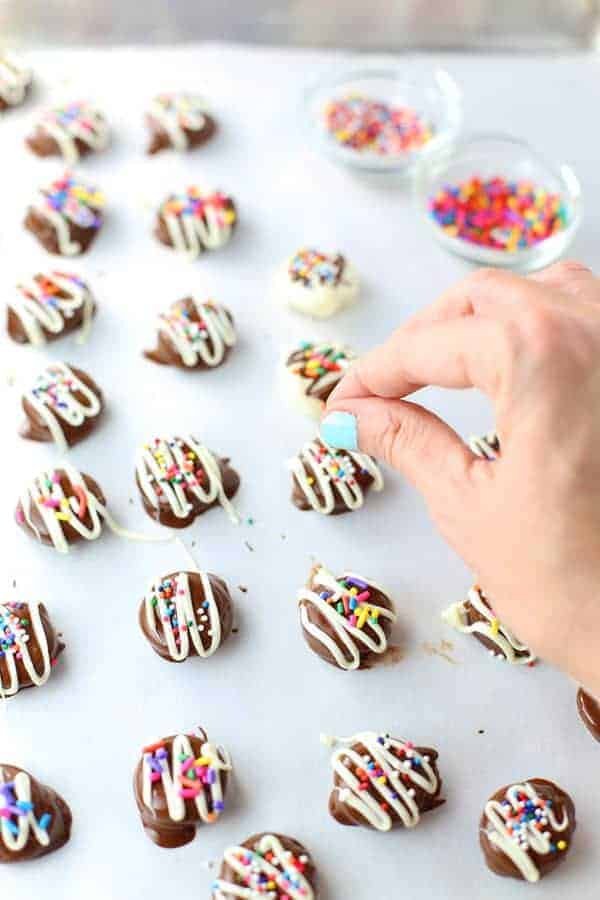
407,436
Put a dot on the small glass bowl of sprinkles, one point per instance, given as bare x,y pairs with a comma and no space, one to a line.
496,201
383,120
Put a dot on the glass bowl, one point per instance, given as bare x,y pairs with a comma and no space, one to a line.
432,94
489,155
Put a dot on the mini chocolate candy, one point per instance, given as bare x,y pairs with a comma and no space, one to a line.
526,829
34,819
382,782
179,785
67,216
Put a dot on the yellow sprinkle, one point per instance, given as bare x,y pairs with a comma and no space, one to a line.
562,845
495,626
310,480
203,761
62,516
362,618
382,779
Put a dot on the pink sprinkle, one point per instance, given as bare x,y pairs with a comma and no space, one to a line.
363,596
353,620
154,777
19,515
188,793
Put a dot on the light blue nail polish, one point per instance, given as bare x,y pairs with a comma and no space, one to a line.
338,429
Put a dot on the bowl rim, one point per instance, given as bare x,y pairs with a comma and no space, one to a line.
337,75
553,246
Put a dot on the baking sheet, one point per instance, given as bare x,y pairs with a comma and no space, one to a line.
264,694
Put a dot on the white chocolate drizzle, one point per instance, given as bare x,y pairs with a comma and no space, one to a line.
178,787
334,471
509,647
174,619
46,497
178,113
39,307
16,830
282,869
166,469
487,446
530,832
75,122
197,221
206,339
386,767
358,623
53,398
15,641
14,80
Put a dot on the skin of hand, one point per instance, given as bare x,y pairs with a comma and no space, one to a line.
528,523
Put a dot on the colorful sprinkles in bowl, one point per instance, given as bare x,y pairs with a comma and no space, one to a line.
374,127
499,213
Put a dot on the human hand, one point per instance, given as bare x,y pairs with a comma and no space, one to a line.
528,523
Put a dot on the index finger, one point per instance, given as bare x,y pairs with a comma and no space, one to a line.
460,353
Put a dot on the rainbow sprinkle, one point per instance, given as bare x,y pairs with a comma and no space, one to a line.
13,630
498,213
186,108
194,775
312,267
78,112
11,810
52,388
351,602
337,464
195,203
51,292
276,887
76,201
189,475
531,815
166,592
371,126
316,363
64,507
194,329
409,760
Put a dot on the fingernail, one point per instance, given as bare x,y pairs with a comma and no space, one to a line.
338,429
